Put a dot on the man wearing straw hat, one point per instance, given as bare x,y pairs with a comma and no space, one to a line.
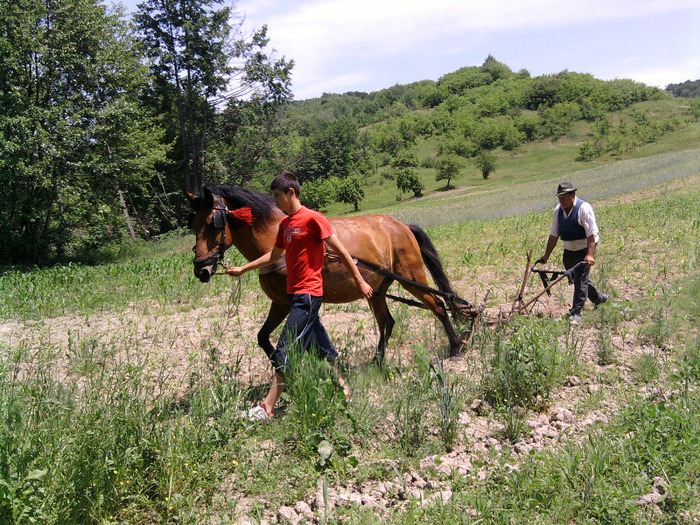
574,221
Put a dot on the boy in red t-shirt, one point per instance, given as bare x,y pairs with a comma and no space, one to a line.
301,237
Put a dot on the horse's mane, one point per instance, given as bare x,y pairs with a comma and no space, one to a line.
261,204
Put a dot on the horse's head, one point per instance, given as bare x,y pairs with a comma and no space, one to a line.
209,222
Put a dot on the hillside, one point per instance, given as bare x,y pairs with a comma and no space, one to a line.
374,150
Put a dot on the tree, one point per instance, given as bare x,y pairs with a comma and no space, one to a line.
486,162
251,128
188,46
70,81
689,89
405,167
448,167
319,193
351,191
557,120
330,151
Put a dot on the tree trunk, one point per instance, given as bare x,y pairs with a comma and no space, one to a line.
129,223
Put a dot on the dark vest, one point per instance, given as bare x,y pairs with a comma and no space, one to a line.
569,228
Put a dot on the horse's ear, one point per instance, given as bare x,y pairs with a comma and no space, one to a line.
208,197
192,198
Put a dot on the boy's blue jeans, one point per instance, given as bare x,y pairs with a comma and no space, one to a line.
303,325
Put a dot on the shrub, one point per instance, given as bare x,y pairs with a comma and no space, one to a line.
318,194
587,152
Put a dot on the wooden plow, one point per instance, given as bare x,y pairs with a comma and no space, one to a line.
471,314
549,278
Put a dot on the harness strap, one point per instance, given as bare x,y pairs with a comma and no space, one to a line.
450,297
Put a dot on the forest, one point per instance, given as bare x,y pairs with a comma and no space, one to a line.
106,119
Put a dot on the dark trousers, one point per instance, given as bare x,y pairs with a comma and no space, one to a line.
304,326
583,287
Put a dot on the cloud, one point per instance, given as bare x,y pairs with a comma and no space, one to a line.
661,75
370,37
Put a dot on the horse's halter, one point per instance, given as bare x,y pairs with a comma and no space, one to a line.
220,221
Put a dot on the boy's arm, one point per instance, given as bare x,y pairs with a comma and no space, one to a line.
339,248
267,259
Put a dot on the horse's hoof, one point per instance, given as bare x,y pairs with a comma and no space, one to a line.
456,351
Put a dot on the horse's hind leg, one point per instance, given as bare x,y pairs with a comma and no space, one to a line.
277,313
385,321
436,306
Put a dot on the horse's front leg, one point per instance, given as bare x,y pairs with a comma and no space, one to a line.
277,313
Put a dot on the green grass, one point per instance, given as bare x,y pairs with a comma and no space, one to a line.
145,276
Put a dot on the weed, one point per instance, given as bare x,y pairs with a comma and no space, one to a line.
646,367
514,426
688,367
317,403
605,350
569,358
522,370
409,423
659,331
446,397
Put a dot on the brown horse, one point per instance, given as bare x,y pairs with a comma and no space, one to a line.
231,216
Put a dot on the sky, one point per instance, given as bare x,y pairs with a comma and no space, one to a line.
368,45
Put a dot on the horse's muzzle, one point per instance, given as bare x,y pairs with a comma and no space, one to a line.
204,273
205,267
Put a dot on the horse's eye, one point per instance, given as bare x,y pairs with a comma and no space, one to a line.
194,248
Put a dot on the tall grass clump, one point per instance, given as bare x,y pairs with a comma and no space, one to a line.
521,374
688,367
318,410
409,421
447,400
605,351
102,439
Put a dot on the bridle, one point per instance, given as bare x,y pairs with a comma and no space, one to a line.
220,221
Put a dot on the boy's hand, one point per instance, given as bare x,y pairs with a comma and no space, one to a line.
234,270
365,288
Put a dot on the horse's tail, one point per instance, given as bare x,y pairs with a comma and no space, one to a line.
431,259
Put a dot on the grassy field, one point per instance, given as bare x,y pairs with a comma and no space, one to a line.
528,164
122,385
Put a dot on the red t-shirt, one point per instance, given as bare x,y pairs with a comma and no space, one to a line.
301,235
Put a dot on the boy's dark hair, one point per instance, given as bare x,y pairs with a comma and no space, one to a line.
286,181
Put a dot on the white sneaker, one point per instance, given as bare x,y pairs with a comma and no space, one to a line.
257,413
575,320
